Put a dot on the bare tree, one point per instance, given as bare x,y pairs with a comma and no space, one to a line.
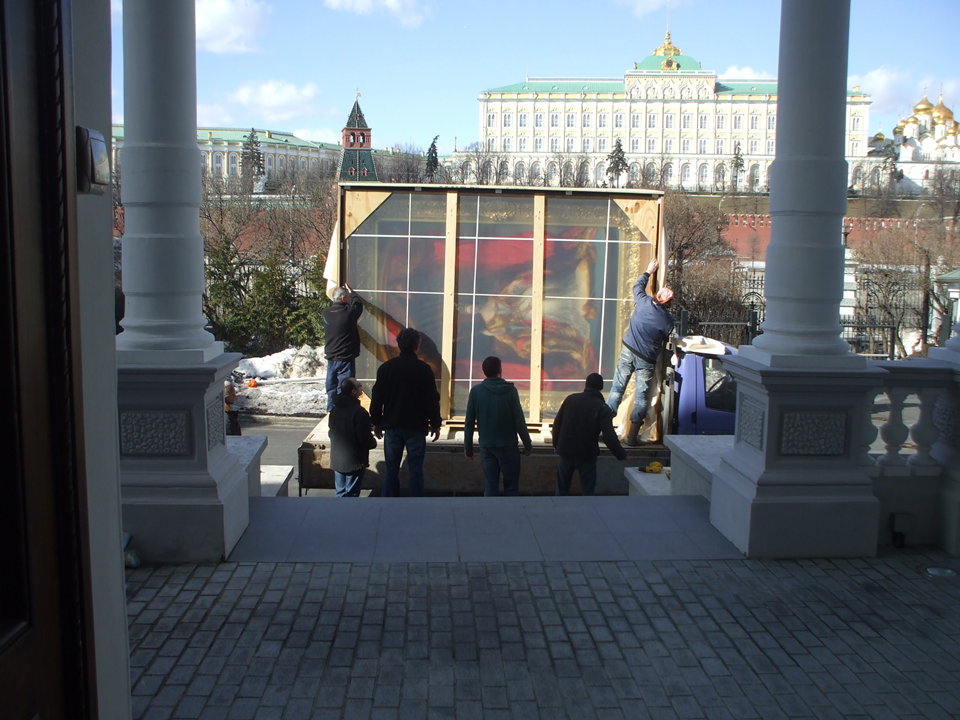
407,164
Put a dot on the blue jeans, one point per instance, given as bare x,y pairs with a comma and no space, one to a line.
588,476
348,484
627,365
393,443
496,460
337,372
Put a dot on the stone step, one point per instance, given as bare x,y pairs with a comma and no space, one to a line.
275,480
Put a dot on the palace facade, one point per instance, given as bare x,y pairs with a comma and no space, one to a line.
679,125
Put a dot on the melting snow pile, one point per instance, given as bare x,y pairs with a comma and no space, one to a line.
290,382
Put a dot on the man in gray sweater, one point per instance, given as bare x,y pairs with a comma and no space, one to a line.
494,409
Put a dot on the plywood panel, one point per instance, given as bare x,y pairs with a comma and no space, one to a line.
536,320
449,304
357,207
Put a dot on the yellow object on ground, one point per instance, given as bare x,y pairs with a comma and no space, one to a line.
654,467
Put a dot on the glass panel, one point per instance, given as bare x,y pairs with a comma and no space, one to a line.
392,217
719,386
574,269
499,217
426,315
501,267
385,315
461,393
377,263
426,264
428,215
576,218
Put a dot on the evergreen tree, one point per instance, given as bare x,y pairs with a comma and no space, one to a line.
616,163
433,162
251,160
737,164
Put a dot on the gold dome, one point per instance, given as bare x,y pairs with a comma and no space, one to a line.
952,130
941,111
912,120
879,137
924,106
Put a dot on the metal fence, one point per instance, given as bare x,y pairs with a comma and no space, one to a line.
875,340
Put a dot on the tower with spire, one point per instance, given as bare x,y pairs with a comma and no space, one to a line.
356,158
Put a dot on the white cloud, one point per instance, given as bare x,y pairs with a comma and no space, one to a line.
230,26
276,100
318,134
213,116
644,7
410,12
890,88
745,73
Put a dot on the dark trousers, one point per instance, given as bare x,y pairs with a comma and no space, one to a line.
337,372
496,460
394,442
588,476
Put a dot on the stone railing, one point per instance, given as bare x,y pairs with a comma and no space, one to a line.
907,477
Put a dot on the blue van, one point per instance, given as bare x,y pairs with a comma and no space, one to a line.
705,394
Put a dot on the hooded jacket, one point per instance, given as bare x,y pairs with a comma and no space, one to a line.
351,437
650,323
582,417
494,407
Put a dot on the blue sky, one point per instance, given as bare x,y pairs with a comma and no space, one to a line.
420,64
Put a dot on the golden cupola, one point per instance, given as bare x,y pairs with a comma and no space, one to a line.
879,137
924,106
668,49
901,124
912,120
941,112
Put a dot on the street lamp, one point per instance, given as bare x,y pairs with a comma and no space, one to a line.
847,229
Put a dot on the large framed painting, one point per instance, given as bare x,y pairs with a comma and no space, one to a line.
540,277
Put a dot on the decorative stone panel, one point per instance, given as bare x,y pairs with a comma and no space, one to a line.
946,421
146,432
216,432
750,420
813,433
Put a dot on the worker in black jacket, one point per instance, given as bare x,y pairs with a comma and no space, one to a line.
582,417
351,439
342,339
404,405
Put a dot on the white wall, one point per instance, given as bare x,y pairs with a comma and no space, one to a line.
91,28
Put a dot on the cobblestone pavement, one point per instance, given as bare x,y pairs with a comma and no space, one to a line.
673,639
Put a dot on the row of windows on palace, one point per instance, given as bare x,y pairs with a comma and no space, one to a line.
704,147
651,173
669,120
283,164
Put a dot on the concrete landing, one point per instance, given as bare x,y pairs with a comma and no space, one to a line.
531,529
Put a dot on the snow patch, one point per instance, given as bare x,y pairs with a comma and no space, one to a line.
306,398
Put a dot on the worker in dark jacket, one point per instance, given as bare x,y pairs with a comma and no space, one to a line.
342,339
650,325
582,417
494,408
404,405
351,439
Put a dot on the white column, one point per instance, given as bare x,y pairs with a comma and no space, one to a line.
162,248
808,181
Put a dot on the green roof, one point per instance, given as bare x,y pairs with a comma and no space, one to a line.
655,62
356,121
236,135
758,87
359,160
562,86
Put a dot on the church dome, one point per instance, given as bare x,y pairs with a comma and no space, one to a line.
912,120
879,137
924,106
942,112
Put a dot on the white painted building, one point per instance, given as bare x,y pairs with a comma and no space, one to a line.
221,149
921,144
678,123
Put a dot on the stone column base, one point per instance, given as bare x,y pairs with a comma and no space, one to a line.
185,498
836,519
792,486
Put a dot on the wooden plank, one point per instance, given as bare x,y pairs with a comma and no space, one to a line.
358,205
536,320
449,305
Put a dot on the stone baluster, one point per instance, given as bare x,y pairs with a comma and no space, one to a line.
869,429
894,431
924,432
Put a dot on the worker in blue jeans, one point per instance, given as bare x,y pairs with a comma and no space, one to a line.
494,408
650,325
404,405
